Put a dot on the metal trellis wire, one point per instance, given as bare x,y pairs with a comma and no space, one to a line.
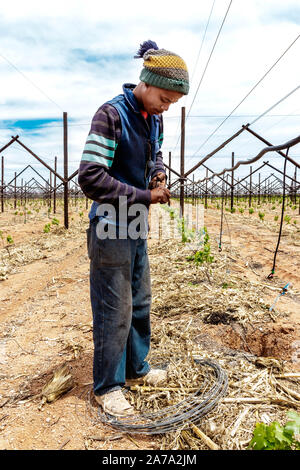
190,410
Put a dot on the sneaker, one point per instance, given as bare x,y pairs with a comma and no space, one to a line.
114,403
153,378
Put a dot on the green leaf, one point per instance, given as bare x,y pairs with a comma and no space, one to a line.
292,427
270,437
277,433
259,440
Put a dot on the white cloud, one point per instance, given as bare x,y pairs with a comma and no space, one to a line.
79,53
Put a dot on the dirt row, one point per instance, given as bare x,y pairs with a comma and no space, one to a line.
46,321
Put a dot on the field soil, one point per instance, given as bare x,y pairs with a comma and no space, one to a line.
46,321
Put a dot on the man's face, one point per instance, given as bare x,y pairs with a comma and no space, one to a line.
157,100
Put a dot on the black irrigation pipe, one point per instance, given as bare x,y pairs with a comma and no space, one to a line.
173,417
274,148
271,275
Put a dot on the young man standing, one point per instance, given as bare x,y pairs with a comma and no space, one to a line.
122,171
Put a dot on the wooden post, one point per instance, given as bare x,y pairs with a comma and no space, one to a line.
258,188
250,194
66,208
232,181
2,184
54,191
226,189
193,191
265,191
48,196
15,192
45,195
21,192
169,178
182,161
25,210
205,204
50,190
295,186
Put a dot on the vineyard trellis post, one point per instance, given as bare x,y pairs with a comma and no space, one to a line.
193,190
169,185
226,189
295,186
21,192
250,193
206,190
25,196
182,161
15,191
232,182
2,184
66,211
50,192
54,192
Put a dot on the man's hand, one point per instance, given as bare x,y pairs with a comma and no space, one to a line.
158,181
160,194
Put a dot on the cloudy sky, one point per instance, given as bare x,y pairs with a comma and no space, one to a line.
75,55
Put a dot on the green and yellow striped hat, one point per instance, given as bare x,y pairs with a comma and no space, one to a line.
163,69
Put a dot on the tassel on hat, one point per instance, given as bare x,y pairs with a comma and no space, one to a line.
144,47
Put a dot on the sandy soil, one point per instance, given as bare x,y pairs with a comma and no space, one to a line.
45,319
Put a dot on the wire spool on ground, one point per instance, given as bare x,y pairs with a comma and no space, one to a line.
189,410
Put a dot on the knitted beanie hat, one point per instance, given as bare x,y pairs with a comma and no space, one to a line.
162,68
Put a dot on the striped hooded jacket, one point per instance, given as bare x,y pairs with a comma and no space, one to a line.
122,153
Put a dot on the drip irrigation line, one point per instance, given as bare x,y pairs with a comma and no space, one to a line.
283,292
252,89
274,148
271,275
190,410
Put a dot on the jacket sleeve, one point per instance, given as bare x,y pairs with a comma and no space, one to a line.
97,158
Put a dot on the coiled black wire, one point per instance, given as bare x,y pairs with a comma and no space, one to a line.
171,418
